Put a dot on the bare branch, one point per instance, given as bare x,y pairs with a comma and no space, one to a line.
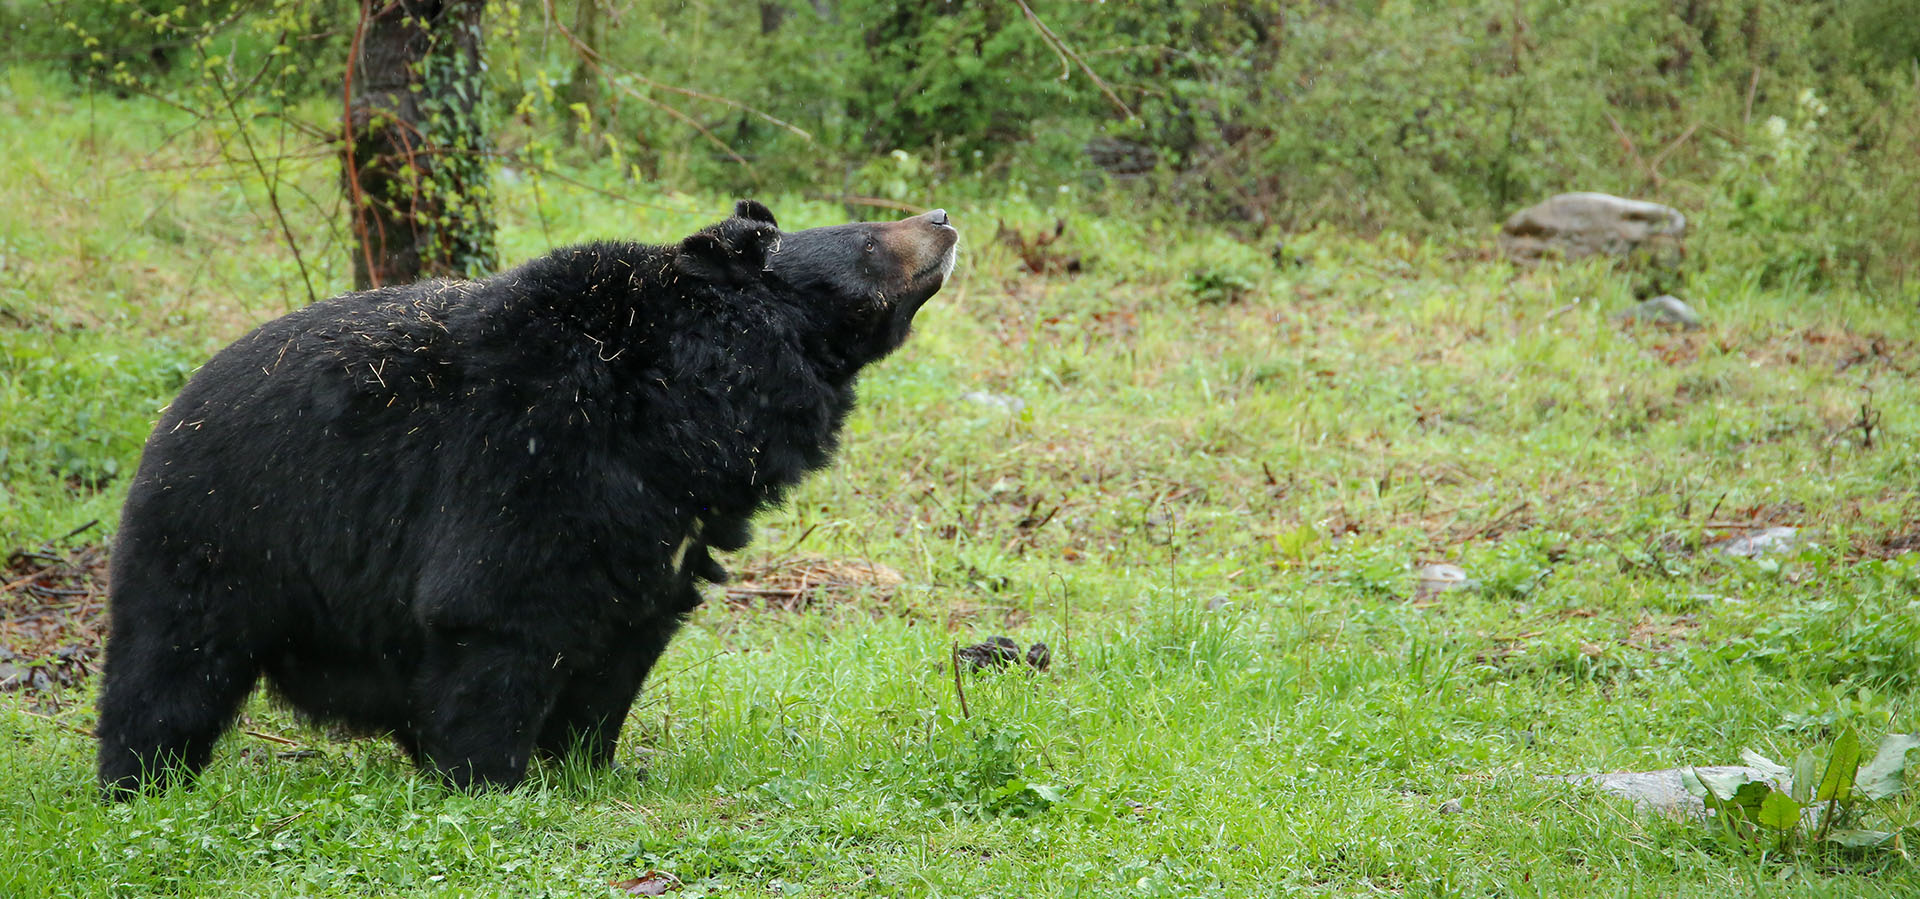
1066,53
598,63
272,182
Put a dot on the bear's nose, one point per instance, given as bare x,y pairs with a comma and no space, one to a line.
938,216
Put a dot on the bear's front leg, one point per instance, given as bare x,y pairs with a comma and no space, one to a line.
594,704
480,702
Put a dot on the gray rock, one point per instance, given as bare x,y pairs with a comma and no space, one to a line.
1661,791
1768,542
999,401
1571,226
1451,807
1665,309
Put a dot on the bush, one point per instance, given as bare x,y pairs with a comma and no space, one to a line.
1777,125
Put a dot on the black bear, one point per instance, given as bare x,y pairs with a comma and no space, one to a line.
472,514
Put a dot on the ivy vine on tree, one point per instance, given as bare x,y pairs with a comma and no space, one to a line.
416,143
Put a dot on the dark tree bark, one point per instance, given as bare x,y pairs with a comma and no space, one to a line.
589,26
416,157
772,16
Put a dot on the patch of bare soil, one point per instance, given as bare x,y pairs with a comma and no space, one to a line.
797,583
53,605
1907,541
53,616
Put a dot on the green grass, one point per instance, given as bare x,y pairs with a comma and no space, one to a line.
1247,696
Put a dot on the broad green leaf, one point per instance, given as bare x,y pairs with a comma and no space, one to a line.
1770,769
1806,774
1721,786
1736,794
1751,796
1886,774
1842,767
1779,811
1859,839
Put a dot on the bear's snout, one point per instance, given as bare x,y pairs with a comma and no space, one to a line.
926,244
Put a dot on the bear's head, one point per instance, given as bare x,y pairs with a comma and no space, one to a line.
865,281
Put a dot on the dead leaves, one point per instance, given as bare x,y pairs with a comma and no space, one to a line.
52,616
652,883
801,582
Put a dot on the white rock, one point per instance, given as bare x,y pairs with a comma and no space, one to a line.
1660,791
1768,542
998,401
1439,578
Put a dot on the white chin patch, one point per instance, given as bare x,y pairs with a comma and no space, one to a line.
953,256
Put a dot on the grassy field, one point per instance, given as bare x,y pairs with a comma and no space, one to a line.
1204,472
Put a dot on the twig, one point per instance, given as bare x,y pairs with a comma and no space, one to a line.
592,58
59,723
1066,619
1753,86
959,690
271,738
1626,142
1661,156
77,531
1065,53
272,182
280,824
557,175
800,539
595,60
10,586
1564,309
657,681
1716,507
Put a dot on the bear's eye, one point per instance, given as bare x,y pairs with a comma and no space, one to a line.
869,244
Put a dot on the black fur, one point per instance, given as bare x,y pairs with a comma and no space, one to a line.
474,513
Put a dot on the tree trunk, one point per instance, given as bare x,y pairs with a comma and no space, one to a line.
415,164
589,26
772,15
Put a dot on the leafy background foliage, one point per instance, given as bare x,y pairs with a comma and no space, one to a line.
1784,128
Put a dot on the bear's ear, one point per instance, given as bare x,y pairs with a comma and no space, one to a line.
733,252
755,210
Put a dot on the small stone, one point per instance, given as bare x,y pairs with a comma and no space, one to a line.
1039,656
1440,578
998,401
1768,542
1451,807
994,652
1666,310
